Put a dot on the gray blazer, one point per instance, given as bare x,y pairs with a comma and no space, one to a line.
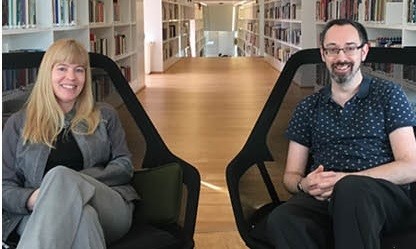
105,153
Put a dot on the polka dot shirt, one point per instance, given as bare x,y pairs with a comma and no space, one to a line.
353,137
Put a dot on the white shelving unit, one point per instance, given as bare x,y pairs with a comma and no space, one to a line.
276,29
110,21
168,30
249,35
197,31
288,28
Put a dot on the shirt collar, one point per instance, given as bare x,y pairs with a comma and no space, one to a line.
362,92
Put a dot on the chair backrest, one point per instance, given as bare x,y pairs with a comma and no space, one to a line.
146,145
254,175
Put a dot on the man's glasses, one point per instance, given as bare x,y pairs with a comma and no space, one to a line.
348,50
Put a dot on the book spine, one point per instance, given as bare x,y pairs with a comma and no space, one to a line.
32,13
5,13
27,14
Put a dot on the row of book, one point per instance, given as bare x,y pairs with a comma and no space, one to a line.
283,54
18,79
100,45
22,13
285,34
249,49
96,11
169,31
116,11
64,12
280,53
102,85
394,41
277,11
332,9
377,11
268,46
252,26
411,14
126,71
409,73
120,44
252,39
18,14
170,49
386,68
382,11
170,11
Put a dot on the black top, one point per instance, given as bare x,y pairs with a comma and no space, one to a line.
65,153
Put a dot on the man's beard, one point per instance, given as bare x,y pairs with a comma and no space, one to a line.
342,78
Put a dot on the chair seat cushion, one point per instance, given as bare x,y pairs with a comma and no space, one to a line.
160,189
147,237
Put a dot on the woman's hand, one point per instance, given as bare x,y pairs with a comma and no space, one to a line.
32,200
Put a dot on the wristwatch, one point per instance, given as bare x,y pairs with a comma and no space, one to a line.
299,186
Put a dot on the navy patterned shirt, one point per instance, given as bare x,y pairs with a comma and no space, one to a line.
353,137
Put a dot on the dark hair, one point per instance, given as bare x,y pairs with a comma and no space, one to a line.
341,22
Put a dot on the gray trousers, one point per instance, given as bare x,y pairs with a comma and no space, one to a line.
74,210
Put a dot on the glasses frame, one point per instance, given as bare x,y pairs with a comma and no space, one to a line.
326,50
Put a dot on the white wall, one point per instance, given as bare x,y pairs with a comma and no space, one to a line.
218,17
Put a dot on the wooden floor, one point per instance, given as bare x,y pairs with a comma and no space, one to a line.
204,109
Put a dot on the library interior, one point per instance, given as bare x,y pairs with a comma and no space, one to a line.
183,59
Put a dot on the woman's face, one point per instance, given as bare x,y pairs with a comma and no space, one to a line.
67,82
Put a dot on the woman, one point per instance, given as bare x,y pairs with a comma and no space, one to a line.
66,165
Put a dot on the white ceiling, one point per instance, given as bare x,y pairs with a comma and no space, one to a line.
211,2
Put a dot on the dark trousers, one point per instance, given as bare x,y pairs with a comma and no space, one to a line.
360,210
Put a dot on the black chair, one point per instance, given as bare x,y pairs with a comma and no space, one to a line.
148,149
254,175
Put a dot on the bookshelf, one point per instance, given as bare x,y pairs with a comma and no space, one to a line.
110,27
197,40
276,29
288,28
248,26
388,23
168,28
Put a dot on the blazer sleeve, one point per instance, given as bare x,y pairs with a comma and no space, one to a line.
14,194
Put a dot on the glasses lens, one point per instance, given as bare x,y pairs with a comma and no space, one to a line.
350,50
333,51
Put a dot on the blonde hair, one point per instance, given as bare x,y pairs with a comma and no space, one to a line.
44,117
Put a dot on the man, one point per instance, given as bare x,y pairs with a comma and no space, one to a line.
358,131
